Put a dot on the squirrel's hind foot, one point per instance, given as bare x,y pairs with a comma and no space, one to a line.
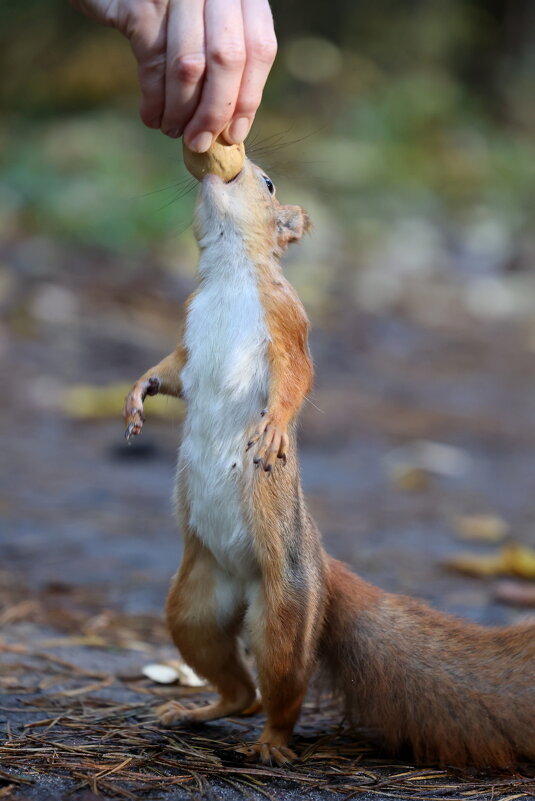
173,713
268,754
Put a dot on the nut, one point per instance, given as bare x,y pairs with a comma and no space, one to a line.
221,159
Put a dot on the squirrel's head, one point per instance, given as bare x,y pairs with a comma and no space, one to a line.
247,209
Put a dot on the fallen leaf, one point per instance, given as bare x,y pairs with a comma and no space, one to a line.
482,528
86,402
409,478
515,593
433,457
511,560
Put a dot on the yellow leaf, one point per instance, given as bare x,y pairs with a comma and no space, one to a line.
86,402
484,528
519,560
475,565
511,560
411,479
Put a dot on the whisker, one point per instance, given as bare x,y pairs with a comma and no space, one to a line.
268,143
276,145
181,194
252,139
322,411
179,472
286,169
182,182
256,142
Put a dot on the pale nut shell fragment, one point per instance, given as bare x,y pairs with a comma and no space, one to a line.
161,674
221,159
169,674
187,676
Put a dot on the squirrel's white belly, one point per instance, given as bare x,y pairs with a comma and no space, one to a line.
225,384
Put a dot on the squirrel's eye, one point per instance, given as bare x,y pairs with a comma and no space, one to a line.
269,184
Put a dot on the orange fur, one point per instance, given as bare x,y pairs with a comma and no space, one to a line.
209,645
456,693
162,379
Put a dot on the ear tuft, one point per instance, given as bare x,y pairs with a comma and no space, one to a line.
292,223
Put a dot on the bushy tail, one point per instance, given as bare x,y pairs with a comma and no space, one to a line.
455,692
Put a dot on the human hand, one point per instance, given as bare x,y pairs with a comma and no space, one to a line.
202,63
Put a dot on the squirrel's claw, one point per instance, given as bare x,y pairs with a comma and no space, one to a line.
134,419
274,443
260,429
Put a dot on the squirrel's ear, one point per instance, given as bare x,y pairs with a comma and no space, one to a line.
292,223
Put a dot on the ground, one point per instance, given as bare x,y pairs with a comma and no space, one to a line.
90,543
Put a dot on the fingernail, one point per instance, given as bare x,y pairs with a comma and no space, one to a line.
201,142
174,133
238,130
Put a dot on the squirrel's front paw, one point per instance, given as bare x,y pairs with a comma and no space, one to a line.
273,442
133,405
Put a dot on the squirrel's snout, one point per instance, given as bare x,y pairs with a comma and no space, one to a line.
236,178
212,179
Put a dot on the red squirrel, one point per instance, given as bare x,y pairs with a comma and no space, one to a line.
454,692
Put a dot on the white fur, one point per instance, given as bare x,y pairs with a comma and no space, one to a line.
225,384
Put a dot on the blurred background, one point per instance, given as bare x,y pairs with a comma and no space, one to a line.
407,131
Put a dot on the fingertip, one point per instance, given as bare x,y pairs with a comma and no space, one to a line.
199,142
171,126
153,122
224,135
237,131
151,103
150,116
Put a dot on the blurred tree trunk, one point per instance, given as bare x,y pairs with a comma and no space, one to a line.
501,52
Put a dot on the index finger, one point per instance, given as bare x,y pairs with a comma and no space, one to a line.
261,48
185,63
225,60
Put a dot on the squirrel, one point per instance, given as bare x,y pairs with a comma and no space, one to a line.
454,692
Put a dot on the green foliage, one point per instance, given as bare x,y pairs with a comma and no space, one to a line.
96,178
420,108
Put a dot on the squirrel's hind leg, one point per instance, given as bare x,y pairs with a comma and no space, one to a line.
207,637
282,636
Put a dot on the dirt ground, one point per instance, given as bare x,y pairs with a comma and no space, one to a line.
89,542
